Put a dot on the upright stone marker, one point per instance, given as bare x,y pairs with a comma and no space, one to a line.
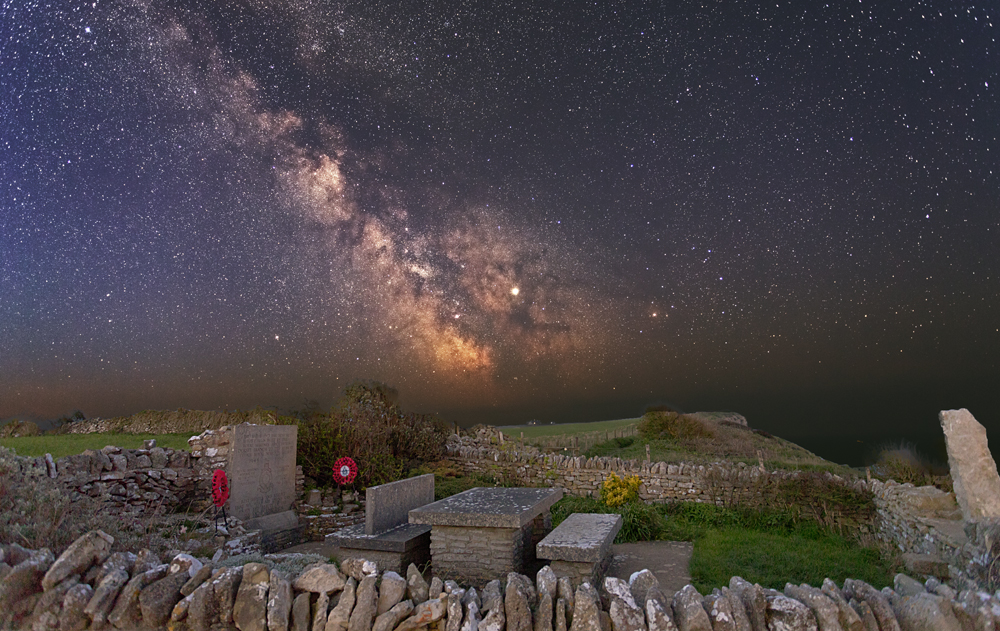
973,470
262,470
389,505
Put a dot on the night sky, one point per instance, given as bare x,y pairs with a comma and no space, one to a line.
506,210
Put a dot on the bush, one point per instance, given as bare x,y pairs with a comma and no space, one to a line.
18,428
617,491
668,424
901,462
368,426
35,511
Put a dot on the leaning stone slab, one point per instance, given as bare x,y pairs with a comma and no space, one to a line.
587,613
787,613
416,587
848,618
92,548
973,470
48,607
72,617
689,614
25,578
754,602
158,599
279,602
300,612
364,606
875,600
926,612
250,608
126,613
424,614
822,607
340,615
626,616
388,620
516,606
103,600
390,591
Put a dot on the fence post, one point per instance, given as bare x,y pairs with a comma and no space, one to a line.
647,452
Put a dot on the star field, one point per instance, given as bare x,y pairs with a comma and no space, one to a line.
511,210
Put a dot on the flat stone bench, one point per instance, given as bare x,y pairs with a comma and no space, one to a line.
580,547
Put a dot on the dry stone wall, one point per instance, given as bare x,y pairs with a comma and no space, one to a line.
918,521
148,481
89,586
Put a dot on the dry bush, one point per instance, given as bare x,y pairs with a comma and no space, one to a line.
669,424
36,512
369,426
17,428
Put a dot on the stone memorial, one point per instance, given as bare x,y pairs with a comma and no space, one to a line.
973,470
483,533
262,478
386,537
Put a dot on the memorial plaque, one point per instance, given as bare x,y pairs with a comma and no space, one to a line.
262,470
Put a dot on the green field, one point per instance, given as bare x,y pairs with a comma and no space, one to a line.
60,445
566,429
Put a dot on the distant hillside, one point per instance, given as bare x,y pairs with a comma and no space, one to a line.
172,421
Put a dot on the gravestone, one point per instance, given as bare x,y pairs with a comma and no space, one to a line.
262,476
387,537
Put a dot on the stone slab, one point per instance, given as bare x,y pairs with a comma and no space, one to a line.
400,539
285,520
484,507
388,505
973,470
261,470
581,538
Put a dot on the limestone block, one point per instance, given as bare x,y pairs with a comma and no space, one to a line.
689,614
787,613
49,606
875,600
72,617
358,569
100,604
424,614
391,591
319,577
340,615
823,608
126,613
364,606
847,617
250,606
546,582
300,612
639,583
973,470
658,618
472,617
387,621
25,579
157,600
516,605
279,602
225,587
625,616
720,611
320,610
492,599
587,610
926,612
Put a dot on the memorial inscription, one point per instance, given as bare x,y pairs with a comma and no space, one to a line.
262,470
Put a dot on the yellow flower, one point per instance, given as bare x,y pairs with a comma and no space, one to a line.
616,491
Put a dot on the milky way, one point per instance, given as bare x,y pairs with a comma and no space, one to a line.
505,210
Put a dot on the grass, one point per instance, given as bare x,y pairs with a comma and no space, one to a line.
769,547
566,429
60,445
775,558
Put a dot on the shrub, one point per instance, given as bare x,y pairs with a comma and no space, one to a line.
368,426
36,512
901,462
661,424
617,491
18,428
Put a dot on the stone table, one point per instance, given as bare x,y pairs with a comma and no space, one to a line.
484,533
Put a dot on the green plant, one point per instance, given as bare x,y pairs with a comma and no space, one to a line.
617,491
18,428
904,464
368,426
